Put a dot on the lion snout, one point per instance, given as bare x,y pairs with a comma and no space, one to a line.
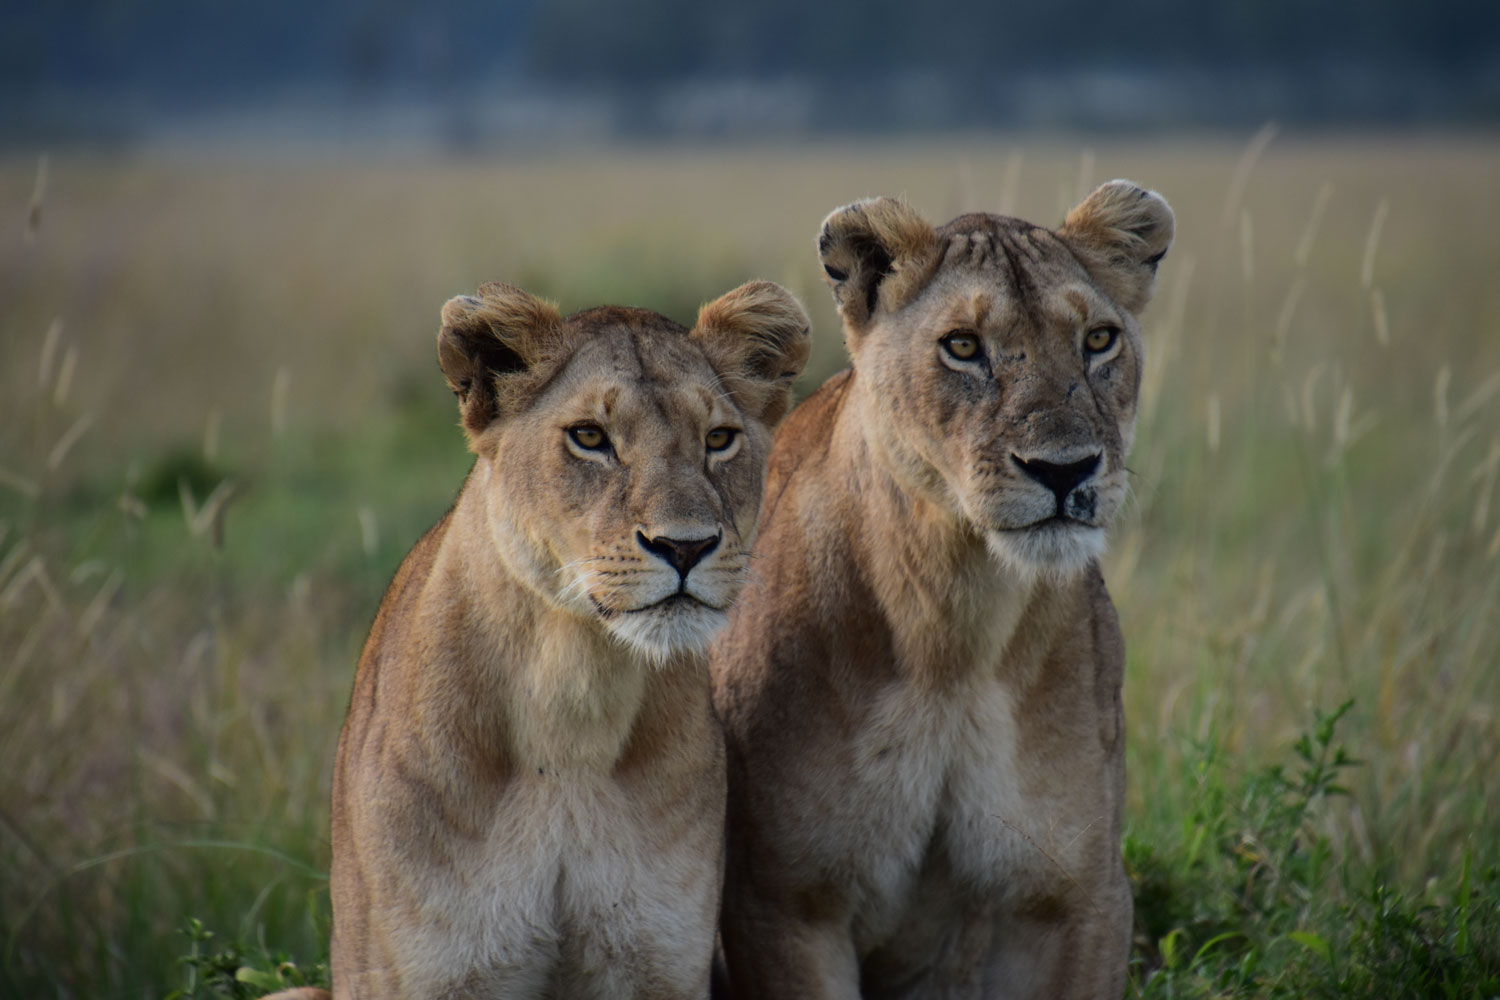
682,554
1062,478
1082,504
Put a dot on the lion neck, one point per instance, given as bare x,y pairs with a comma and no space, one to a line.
539,684
951,606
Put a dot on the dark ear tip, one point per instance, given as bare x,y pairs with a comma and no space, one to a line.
835,273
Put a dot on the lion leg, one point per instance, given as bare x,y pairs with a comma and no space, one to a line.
932,958
638,969
1080,954
773,955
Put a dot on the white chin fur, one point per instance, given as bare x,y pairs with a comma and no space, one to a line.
658,634
1054,550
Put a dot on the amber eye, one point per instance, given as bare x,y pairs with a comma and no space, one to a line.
720,438
963,346
588,437
1100,340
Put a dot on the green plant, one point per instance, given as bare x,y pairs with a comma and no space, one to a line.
238,971
1249,902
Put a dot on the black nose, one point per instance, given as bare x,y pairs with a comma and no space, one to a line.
1060,479
681,554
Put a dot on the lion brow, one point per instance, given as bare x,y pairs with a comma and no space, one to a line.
981,304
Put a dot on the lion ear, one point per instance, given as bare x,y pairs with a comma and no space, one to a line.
490,341
875,253
757,339
1120,233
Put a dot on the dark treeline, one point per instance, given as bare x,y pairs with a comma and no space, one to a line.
672,39
1313,56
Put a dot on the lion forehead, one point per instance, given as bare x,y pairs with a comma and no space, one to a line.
619,366
998,271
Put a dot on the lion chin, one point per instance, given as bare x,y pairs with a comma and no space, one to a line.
1054,548
678,625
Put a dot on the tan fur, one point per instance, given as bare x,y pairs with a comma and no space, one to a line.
529,789
920,687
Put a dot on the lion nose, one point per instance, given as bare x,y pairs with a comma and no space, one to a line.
682,554
1060,479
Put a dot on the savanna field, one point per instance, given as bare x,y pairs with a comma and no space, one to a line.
222,425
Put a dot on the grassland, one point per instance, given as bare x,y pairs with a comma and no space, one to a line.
221,425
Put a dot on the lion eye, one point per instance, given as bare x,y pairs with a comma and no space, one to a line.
1100,340
720,438
589,437
961,345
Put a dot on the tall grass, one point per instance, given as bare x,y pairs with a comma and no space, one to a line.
1313,533
220,427
166,731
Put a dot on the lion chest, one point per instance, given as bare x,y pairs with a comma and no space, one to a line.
946,808
570,876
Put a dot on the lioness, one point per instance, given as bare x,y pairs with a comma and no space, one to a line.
920,686
529,791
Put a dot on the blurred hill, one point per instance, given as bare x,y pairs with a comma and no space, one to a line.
465,72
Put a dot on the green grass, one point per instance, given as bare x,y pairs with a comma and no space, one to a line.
1251,896
1313,525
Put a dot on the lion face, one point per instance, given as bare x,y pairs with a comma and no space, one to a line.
1003,361
622,455
639,493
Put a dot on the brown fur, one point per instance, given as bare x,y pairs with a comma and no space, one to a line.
920,688
529,789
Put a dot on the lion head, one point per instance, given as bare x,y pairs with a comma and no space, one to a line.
1003,360
621,455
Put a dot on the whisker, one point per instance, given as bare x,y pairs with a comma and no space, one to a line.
578,562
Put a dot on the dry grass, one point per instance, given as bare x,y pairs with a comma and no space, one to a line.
221,424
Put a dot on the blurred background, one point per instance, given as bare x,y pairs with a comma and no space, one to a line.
226,231
466,75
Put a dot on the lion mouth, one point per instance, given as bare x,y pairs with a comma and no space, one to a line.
672,602
681,599
1057,544
1052,522
677,624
